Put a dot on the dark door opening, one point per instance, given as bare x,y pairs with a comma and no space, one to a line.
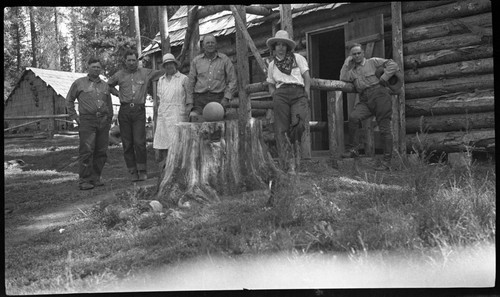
327,55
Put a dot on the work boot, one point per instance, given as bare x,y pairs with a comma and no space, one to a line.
142,175
86,186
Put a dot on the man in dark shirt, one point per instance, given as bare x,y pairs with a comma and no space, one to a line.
94,120
133,84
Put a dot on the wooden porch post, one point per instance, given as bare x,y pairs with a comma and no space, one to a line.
242,71
335,126
397,49
286,24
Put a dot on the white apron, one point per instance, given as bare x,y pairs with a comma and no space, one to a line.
172,109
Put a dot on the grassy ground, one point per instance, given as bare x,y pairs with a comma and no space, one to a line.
59,239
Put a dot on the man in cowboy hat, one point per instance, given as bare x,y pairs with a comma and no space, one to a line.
173,106
374,99
211,77
289,85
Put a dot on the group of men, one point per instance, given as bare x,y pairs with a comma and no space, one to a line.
211,78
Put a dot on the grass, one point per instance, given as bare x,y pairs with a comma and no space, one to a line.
424,209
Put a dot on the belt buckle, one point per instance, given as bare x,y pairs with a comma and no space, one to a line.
132,104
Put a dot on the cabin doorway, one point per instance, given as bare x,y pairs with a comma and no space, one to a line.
326,52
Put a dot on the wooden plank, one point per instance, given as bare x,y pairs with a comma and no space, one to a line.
369,136
335,130
399,101
369,49
248,38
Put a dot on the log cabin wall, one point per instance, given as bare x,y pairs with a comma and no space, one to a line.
448,62
33,97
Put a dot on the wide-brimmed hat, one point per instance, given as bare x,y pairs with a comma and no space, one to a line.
395,82
168,57
282,36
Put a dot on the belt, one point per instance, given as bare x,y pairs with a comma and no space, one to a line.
131,104
97,114
291,86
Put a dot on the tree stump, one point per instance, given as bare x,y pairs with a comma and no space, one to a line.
205,162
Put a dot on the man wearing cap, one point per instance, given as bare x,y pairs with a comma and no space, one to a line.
211,78
94,120
289,85
374,99
133,84
173,106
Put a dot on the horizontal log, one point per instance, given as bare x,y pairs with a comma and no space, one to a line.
21,125
50,116
411,6
450,122
480,101
480,66
452,10
456,26
446,56
457,141
434,44
447,86
316,84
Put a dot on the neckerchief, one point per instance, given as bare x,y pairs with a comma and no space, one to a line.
286,64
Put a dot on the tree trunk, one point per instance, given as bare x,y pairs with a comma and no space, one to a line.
452,10
33,37
446,86
450,122
456,26
58,51
456,103
131,18
481,66
164,34
446,56
17,28
449,142
204,163
137,30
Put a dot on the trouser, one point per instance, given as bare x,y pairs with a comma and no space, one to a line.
373,101
132,121
290,106
202,99
93,133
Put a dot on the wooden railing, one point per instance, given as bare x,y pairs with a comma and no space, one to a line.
51,127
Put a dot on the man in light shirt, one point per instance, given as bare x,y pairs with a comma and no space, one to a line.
374,99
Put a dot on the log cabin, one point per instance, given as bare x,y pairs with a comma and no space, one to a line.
444,49
43,92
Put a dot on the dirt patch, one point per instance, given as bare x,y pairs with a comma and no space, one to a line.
43,193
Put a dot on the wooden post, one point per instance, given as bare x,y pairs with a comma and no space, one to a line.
335,126
242,26
286,18
164,33
244,109
397,50
192,24
137,31
194,42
